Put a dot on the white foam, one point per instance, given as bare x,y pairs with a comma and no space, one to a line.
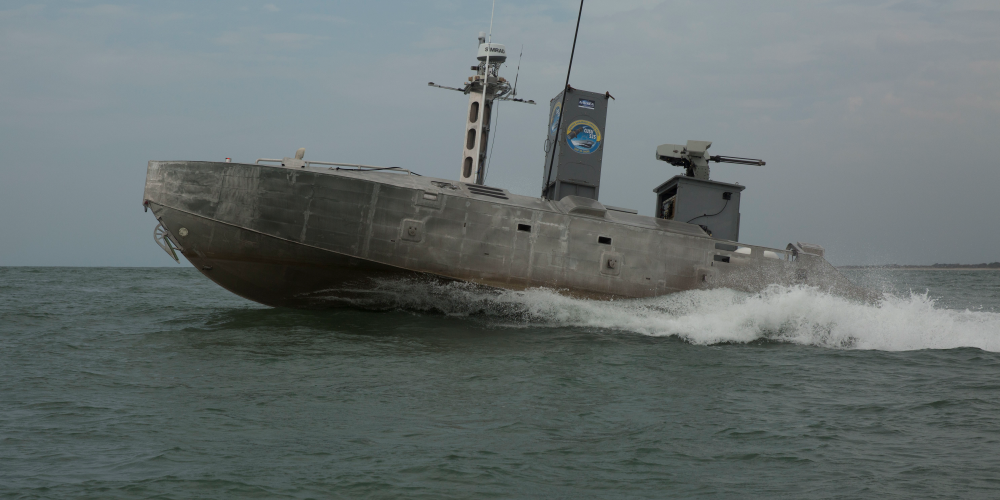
798,315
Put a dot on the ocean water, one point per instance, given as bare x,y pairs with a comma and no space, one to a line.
156,383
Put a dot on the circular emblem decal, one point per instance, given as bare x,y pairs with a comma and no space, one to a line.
583,137
554,119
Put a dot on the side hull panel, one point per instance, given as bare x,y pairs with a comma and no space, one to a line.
276,235
273,271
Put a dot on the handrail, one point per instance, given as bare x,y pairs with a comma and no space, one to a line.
354,165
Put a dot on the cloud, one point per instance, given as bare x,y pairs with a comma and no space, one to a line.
855,105
21,11
253,38
600,9
271,8
231,38
325,18
294,40
103,11
438,38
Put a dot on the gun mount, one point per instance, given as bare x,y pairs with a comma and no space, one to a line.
693,197
694,158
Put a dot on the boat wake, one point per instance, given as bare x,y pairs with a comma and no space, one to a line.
797,314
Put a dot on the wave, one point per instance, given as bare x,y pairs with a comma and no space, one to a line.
797,314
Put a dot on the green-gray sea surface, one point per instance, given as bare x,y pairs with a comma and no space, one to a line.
156,383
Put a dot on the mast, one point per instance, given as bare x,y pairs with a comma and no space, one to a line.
480,111
483,88
484,124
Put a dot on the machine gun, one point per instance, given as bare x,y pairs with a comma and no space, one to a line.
694,158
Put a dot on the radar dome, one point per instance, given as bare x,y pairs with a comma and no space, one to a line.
496,51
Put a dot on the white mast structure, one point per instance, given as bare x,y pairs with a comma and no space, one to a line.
482,88
477,134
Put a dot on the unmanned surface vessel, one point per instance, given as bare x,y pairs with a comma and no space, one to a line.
299,233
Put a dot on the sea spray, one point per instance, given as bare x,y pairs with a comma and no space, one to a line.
130,382
796,314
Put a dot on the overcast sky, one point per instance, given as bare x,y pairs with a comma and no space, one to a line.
879,120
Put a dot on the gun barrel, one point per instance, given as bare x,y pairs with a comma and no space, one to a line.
737,160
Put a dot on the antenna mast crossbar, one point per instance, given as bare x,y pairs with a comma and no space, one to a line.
492,87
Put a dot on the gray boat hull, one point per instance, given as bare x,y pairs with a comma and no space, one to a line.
318,237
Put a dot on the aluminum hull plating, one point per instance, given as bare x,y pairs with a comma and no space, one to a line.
314,237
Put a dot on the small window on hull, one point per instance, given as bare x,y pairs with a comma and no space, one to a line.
604,240
524,227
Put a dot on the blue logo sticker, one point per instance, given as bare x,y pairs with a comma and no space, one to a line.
554,120
587,103
583,137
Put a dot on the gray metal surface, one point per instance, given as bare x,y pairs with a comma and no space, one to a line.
316,237
579,148
693,157
701,202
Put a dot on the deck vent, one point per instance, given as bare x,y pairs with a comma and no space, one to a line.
604,240
492,192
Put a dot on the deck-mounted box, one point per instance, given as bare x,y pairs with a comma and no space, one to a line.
715,205
576,167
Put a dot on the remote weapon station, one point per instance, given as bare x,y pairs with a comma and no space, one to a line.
299,233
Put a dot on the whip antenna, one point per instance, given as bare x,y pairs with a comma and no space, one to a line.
485,89
518,70
562,107
480,171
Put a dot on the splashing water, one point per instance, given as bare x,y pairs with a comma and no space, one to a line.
158,383
798,314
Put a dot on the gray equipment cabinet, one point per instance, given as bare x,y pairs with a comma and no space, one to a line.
711,204
579,146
